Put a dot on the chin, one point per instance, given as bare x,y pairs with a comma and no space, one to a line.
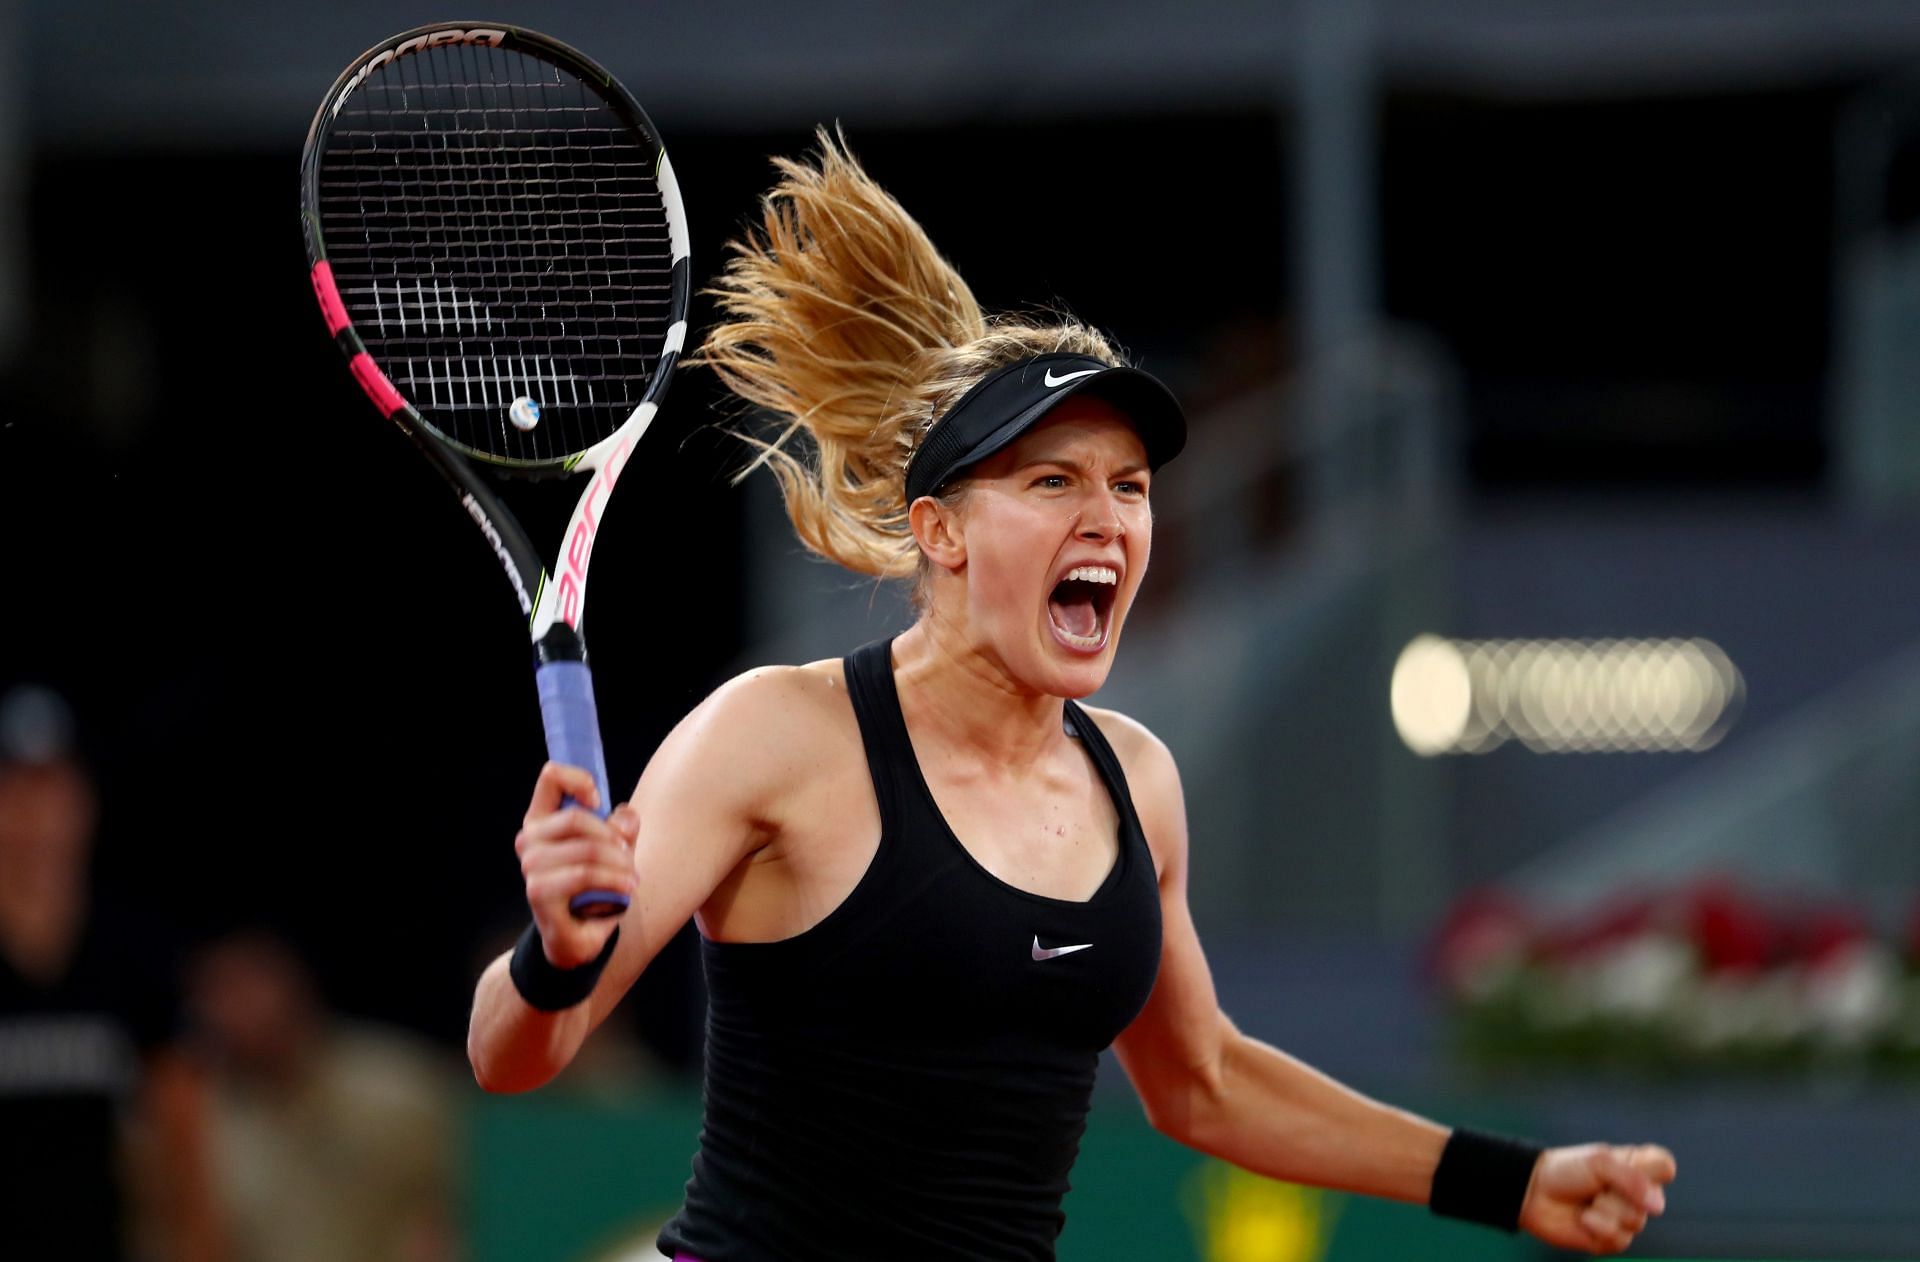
1078,669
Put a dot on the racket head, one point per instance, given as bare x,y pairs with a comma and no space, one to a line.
496,241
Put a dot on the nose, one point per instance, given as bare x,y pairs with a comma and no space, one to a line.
1100,519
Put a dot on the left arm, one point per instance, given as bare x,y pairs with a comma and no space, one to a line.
1211,1087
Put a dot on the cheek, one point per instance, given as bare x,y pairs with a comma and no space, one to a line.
1008,560
1140,537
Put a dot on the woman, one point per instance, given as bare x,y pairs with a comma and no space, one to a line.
932,887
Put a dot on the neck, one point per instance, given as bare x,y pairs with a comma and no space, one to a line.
955,691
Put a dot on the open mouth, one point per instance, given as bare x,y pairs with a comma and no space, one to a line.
1081,604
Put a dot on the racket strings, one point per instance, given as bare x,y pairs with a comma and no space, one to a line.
497,235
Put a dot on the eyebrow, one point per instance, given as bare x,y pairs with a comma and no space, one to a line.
1133,467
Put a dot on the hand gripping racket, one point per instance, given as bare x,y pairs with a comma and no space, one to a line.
498,246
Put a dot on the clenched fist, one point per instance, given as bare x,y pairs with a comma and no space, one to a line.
568,850
1596,1197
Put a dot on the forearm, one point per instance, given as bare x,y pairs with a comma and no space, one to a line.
514,1046
1270,1113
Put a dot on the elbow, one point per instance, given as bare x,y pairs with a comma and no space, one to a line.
495,1078
480,1078
510,1047
1166,1116
1183,1105
486,1081
496,1083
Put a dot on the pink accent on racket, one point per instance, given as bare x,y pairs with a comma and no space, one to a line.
329,294
375,383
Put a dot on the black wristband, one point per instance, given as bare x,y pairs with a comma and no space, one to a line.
1483,1178
553,989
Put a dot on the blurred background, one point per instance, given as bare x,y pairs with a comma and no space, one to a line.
1533,614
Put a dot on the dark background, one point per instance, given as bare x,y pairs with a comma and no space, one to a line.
1625,231
304,688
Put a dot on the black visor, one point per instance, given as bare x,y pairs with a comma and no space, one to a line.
1008,403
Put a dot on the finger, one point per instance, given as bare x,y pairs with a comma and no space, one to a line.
598,853
626,822
1627,1214
1617,1174
572,854
556,783
1606,1235
570,943
554,892
563,883
569,824
1655,1162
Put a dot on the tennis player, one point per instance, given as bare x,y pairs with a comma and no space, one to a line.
931,886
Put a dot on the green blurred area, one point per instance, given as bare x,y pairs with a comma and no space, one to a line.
558,1179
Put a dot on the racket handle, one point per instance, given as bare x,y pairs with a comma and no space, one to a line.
573,737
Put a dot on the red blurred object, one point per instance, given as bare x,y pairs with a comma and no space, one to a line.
1624,917
1731,931
1484,929
1823,934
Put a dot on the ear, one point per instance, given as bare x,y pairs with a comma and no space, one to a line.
938,529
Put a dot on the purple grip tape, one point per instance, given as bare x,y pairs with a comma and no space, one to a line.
573,737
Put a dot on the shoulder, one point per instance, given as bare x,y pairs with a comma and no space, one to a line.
777,696
1131,739
762,731
1153,781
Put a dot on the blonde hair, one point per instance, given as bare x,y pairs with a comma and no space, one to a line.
847,325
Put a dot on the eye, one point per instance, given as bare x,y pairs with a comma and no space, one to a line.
1130,487
1051,481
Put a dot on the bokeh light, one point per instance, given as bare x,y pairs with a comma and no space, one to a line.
1564,696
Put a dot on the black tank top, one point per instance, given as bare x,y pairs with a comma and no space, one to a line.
909,1078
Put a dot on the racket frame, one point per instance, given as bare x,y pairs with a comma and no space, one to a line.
553,603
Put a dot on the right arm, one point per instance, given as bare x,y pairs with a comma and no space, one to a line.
703,807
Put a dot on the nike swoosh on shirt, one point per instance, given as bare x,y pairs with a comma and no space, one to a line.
1052,381
1047,953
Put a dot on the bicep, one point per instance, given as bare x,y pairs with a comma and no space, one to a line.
699,801
1173,1047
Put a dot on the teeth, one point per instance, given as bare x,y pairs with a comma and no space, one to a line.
1094,574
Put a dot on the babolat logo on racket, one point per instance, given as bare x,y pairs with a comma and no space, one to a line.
488,529
478,35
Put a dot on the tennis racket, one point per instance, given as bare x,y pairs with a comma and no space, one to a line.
498,247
